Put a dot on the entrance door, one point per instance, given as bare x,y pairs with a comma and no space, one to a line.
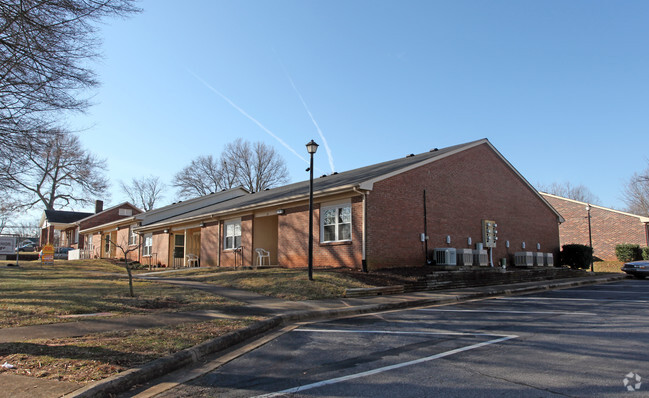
106,246
179,250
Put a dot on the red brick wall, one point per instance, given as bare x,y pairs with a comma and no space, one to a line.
608,228
293,239
461,191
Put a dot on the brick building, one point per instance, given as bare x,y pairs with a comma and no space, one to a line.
384,215
608,227
102,232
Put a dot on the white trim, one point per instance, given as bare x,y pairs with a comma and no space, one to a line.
233,221
336,205
185,227
642,218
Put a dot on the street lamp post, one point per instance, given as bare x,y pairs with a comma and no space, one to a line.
311,147
590,238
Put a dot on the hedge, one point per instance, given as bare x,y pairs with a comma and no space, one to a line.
576,256
628,252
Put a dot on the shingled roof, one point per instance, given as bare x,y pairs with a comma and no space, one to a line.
64,217
361,178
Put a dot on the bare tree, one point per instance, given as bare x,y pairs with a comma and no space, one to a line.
254,166
567,190
202,176
144,192
44,49
56,173
636,194
259,166
125,248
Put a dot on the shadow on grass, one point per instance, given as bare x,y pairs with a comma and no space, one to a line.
105,355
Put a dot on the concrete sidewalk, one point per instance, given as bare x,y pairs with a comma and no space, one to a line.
281,312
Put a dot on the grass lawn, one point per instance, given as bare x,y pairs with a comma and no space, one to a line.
97,356
288,284
607,266
35,294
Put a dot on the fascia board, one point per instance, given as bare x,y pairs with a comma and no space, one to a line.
245,209
369,184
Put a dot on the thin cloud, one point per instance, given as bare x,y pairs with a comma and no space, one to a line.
324,140
244,113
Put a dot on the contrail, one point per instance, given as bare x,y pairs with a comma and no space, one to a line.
324,140
244,113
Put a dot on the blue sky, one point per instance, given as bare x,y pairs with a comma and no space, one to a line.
561,88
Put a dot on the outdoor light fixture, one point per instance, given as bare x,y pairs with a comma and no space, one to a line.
201,224
590,237
311,147
280,211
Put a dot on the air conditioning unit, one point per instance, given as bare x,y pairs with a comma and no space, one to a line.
465,257
524,259
539,259
445,256
480,258
549,260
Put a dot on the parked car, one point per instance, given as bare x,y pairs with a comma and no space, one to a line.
639,269
27,247
61,253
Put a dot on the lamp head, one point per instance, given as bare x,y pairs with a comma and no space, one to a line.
312,147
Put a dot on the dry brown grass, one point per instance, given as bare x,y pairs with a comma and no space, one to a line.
33,294
97,356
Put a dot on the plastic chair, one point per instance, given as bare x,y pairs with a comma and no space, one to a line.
191,259
261,254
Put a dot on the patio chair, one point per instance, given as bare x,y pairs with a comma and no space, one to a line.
191,259
261,254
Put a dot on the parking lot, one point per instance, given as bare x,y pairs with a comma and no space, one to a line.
582,342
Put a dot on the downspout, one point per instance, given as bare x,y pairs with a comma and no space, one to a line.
428,262
364,226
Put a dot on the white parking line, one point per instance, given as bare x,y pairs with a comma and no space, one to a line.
398,332
567,299
510,312
386,368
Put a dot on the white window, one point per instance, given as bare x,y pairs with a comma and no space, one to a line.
89,246
148,245
336,223
125,212
132,236
232,234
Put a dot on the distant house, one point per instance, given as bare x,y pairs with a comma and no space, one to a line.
609,227
103,231
64,228
384,215
59,228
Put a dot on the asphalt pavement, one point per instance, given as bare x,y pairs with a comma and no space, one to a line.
280,313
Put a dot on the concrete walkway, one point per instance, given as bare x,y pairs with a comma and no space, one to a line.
254,304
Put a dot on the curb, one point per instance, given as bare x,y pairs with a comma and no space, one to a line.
124,381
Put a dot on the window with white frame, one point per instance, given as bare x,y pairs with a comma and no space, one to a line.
132,236
148,245
232,234
336,223
89,245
